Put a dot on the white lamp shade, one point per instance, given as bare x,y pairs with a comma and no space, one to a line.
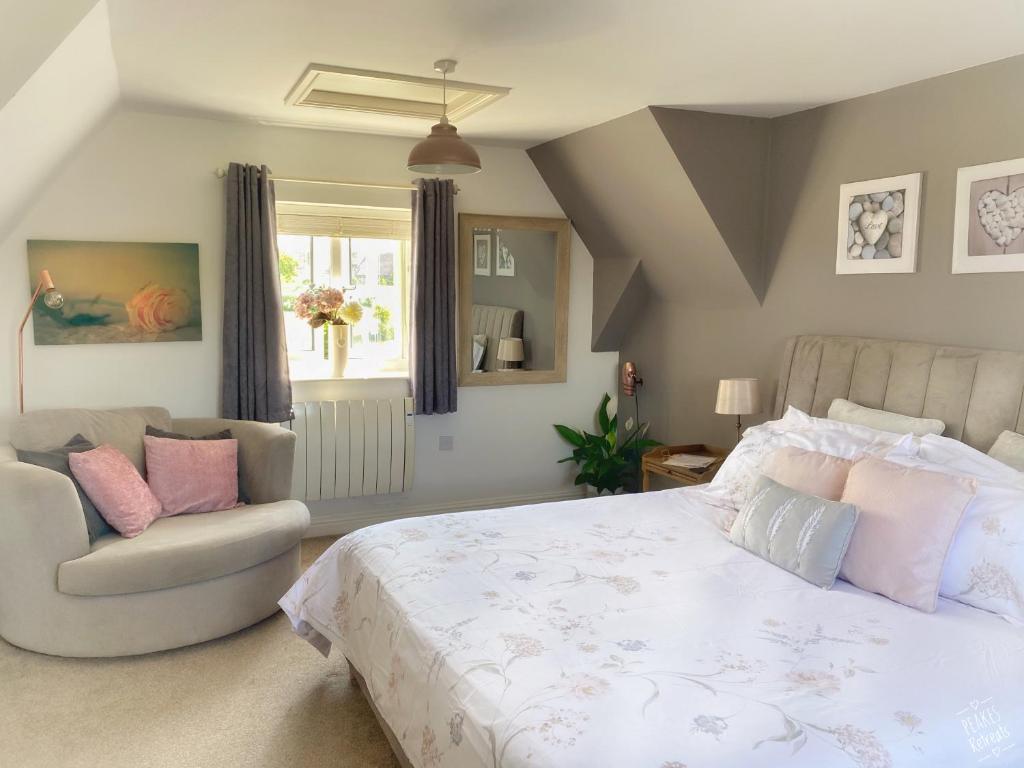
510,350
738,397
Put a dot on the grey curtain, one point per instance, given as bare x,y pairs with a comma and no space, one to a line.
432,359
255,381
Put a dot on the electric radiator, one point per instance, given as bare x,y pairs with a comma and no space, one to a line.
352,448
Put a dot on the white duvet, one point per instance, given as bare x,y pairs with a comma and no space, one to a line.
628,631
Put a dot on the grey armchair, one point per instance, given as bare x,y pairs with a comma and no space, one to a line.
184,580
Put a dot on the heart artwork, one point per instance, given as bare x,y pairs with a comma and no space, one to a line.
1002,215
872,225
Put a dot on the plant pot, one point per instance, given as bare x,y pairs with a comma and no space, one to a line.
337,354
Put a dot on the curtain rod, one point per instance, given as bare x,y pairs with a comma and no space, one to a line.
220,173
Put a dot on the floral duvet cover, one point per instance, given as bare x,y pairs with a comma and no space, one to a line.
629,631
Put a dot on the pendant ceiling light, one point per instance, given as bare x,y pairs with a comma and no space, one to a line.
444,152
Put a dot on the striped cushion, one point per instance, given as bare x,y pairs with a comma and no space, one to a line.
806,535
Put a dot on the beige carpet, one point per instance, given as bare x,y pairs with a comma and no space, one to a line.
261,697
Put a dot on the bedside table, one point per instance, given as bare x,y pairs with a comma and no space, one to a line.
653,463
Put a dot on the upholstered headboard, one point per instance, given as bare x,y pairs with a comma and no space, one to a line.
496,323
977,392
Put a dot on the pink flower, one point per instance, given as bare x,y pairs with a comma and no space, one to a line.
319,304
155,309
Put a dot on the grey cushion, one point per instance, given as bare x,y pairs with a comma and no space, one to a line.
224,434
185,549
1009,449
57,460
122,428
851,413
804,534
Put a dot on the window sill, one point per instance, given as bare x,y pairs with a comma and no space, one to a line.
355,385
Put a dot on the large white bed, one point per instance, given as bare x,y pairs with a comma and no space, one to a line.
630,631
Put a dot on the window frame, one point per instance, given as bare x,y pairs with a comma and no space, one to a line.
340,223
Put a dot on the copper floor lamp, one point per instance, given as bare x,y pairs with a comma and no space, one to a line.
53,300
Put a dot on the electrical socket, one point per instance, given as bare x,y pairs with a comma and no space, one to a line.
445,443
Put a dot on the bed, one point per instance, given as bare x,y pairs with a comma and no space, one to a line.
495,323
629,631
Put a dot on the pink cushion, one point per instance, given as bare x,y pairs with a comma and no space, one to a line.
908,518
117,489
192,475
810,472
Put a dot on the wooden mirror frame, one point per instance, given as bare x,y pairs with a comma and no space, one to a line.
467,223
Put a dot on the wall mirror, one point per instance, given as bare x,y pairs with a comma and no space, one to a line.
513,299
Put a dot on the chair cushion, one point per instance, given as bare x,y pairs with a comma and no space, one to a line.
190,476
122,428
186,549
116,488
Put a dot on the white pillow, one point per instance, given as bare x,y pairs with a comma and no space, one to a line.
963,459
1009,449
844,410
985,564
796,429
479,348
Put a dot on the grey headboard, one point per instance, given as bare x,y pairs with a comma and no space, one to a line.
496,323
977,392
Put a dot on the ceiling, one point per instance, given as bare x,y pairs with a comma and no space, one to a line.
570,63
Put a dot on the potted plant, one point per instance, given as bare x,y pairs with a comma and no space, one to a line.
606,463
326,306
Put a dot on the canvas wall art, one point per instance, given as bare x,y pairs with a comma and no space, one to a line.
118,292
878,225
989,218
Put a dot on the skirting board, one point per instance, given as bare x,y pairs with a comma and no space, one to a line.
340,523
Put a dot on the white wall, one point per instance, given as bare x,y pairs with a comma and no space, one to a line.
149,177
61,103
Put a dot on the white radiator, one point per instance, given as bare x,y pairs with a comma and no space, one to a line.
352,448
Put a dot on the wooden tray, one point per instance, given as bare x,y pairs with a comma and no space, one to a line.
653,463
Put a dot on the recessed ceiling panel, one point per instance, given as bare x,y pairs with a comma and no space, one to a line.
364,90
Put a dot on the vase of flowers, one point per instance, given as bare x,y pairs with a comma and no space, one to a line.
325,307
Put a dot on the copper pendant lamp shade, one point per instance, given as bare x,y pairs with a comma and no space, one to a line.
444,152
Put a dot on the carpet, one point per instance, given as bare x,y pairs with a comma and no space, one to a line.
261,697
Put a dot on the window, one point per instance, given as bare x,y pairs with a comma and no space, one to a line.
367,258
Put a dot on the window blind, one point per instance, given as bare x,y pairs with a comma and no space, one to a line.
342,226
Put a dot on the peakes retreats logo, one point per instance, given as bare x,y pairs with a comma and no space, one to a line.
986,733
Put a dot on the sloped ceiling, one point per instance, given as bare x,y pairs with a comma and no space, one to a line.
670,204
55,106
29,34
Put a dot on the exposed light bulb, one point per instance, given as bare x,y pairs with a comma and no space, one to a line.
53,299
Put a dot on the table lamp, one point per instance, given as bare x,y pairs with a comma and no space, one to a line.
738,397
510,350
53,299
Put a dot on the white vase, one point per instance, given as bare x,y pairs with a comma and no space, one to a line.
338,338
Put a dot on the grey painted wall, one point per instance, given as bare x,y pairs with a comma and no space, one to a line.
934,126
531,290
646,220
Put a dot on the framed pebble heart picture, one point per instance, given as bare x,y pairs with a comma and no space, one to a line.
878,225
988,222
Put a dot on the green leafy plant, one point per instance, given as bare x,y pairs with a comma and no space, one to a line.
605,462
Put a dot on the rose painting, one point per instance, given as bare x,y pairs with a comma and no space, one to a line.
118,292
